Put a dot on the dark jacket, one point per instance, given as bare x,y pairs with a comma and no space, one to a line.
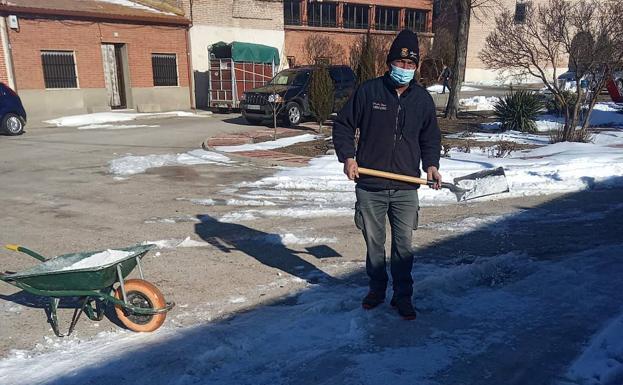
396,133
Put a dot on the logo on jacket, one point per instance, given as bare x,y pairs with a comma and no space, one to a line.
379,106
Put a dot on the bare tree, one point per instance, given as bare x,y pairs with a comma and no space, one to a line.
371,51
464,10
587,33
318,46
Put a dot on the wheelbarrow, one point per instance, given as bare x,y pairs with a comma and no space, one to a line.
98,278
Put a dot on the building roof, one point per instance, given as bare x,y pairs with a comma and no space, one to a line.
122,10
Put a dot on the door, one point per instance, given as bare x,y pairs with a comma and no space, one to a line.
113,75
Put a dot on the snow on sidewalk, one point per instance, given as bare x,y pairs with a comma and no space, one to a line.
112,117
475,312
268,145
131,164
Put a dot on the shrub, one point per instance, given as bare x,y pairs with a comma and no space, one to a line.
581,136
518,110
553,106
321,95
502,149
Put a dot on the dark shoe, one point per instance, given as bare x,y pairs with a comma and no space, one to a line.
404,307
372,300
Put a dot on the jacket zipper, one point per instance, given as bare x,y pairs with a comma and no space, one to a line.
391,166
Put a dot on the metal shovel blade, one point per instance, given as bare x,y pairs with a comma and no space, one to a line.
479,184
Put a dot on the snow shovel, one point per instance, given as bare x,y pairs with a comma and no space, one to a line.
476,185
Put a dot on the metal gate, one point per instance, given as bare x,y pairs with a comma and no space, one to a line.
228,80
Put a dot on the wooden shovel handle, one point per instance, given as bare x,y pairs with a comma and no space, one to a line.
391,175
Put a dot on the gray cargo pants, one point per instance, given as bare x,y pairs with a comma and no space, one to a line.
401,207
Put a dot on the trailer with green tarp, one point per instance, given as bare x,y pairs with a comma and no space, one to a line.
237,67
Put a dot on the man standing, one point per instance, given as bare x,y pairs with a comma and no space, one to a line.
445,75
398,128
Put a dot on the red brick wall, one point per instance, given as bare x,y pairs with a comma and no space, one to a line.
85,39
295,42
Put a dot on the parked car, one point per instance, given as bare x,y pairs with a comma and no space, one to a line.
289,90
12,111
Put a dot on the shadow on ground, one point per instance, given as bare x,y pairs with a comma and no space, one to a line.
376,342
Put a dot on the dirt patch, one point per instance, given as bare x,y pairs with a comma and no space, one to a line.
311,149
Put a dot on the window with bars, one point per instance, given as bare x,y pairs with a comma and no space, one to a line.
164,66
292,12
520,12
387,19
415,20
59,69
356,16
321,14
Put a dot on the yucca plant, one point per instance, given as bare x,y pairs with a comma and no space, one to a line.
518,110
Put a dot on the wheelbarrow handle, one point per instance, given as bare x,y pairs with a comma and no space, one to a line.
26,251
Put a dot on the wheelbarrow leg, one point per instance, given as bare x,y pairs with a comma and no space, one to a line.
52,317
78,312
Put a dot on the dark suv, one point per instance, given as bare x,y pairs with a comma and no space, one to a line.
290,88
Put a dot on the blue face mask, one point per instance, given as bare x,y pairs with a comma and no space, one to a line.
400,75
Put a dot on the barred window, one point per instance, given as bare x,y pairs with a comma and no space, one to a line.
356,16
164,67
387,18
321,14
292,12
415,20
59,69
520,12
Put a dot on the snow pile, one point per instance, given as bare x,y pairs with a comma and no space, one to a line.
111,117
506,136
605,114
479,103
104,258
269,145
116,127
130,165
438,88
602,360
321,188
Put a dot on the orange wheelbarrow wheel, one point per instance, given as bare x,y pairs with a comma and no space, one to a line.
143,294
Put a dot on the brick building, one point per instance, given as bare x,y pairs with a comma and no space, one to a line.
213,21
76,56
346,22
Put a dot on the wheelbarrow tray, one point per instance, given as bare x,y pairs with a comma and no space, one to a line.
49,276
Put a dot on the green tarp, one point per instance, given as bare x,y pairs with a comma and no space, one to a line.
248,52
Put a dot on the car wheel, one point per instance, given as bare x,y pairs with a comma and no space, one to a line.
12,124
293,114
253,121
